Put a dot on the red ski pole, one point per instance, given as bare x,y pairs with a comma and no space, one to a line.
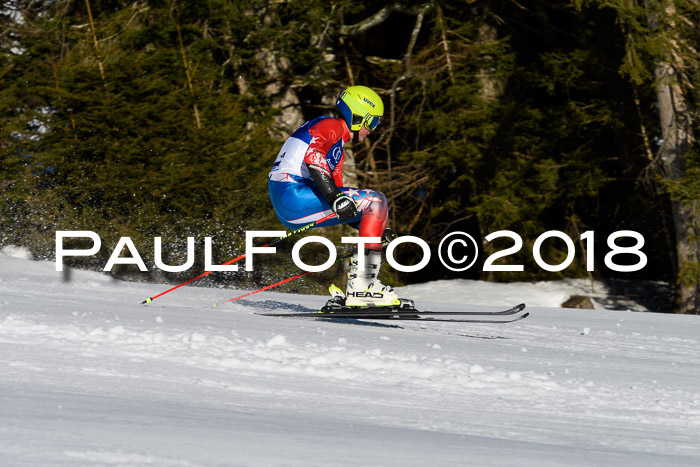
284,281
289,279
274,242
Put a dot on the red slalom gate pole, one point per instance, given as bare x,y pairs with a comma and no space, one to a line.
274,242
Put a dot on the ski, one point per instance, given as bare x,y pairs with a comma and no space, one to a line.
453,320
409,314
343,317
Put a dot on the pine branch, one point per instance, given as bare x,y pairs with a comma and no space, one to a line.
97,48
189,78
445,45
381,16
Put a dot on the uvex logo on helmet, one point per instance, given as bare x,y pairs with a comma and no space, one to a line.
368,101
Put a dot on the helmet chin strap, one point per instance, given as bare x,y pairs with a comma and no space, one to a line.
355,136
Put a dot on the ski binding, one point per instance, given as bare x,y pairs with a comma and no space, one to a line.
337,305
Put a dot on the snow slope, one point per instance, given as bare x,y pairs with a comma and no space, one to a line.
91,377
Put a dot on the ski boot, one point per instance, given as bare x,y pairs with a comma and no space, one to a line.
363,287
364,291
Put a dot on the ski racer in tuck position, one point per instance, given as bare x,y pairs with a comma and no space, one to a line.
306,184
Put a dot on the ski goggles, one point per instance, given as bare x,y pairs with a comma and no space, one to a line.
369,121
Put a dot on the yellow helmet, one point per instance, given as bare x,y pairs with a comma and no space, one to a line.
360,106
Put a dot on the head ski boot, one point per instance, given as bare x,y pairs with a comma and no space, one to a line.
364,287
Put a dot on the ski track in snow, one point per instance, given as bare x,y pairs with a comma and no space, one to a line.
91,377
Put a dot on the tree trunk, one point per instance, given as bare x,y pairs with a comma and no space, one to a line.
675,117
281,96
491,85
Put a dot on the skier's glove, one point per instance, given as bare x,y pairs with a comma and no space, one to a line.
389,236
344,206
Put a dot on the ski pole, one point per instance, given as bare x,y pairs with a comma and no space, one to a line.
274,242
284,281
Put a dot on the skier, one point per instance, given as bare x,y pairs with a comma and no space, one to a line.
306,184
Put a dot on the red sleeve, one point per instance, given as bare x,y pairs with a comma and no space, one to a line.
324,135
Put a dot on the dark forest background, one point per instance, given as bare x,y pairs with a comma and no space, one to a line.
162,118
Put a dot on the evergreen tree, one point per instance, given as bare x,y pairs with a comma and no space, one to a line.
661,55
140,135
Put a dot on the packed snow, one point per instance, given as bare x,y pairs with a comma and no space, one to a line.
92,377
